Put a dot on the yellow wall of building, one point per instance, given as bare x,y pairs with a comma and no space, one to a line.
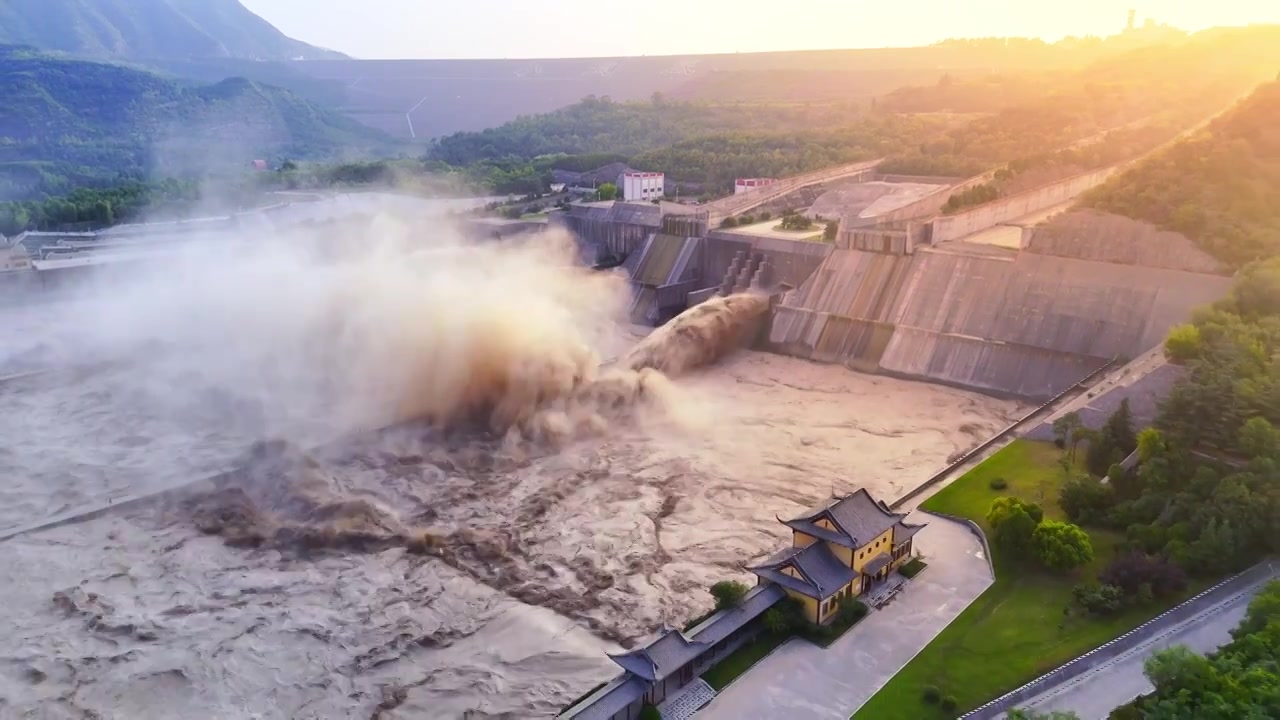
810,605
844,554
799,539
882,544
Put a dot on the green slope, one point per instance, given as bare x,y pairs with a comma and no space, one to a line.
82,121
149,29
1219,187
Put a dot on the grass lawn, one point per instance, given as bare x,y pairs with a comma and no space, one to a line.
1017,629
741,660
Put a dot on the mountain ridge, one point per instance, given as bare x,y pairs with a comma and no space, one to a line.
150,29
66,122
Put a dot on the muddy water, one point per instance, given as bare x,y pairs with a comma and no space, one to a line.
618,534
412,572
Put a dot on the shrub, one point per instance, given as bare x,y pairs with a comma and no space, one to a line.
931,694
830,232
1133,571
649,712
948,704
1099,599
729,222
776,621
851,611
913,567
765,215
728,593
998,483
746,219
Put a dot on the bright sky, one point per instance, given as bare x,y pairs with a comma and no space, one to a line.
587,28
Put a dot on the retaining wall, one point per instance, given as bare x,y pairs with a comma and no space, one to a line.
1094,235
1206,600
932,203
734,204
960,225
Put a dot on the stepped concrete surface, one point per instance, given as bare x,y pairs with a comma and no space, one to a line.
691,698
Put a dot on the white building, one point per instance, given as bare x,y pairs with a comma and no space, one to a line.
642,185
742,185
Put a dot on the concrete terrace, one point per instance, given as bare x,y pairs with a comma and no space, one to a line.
802,680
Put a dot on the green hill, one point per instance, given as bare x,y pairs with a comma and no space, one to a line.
150,29
68,122
1218,187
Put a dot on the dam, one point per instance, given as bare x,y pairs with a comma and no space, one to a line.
1020,297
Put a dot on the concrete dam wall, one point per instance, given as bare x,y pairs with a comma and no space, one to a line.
961,225
1022,324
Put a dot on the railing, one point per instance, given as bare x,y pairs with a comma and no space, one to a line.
1106,652
968,455
724,207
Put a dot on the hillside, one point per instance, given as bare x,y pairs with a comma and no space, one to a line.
66,122
1219,187
150,29
469,95
1047,126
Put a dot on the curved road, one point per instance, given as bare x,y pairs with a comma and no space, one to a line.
1118,680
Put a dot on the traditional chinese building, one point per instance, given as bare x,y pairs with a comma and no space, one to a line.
842,549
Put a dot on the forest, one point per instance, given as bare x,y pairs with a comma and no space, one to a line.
70,123
1206,493
1072,121
98,207
1219,187
1238,680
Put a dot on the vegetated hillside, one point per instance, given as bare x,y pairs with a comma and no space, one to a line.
67,122
1086,118
149,29
1219,188
469,95
600,125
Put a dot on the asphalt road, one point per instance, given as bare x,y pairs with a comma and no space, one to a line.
1096,693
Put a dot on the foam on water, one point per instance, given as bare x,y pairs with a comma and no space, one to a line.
525,510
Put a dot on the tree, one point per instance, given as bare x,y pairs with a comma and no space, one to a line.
1085,499
775,621
1061,546
1132,570
1114,442
1013,523
728,593
1259,438
831,230
1064,432
1183,344
607,191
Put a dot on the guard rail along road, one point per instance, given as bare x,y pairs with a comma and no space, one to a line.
718,210
1104,653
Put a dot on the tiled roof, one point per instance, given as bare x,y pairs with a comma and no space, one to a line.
877,563
611,699
675,649
903,532
859,517
822,573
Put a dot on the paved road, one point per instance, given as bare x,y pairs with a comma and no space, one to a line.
801,680
1095,694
